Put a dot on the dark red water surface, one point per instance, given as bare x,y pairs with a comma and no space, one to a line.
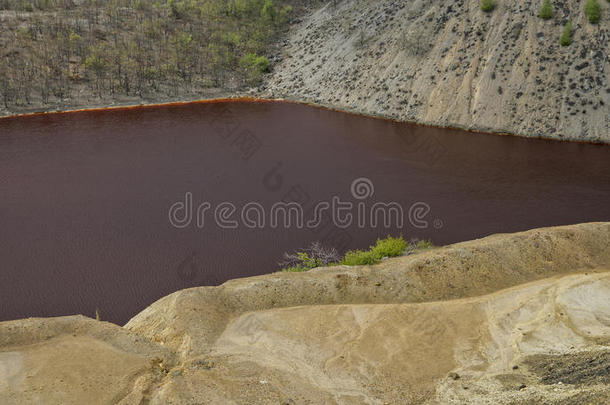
85,196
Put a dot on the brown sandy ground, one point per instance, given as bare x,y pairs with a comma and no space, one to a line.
509,319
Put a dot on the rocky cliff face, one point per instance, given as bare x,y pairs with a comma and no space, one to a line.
447,63
517,318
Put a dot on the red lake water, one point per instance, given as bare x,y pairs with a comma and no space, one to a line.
113,209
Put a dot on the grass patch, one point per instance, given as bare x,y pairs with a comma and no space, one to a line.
546,10
360,258
566,36
317,256
593,11
488,5
388,247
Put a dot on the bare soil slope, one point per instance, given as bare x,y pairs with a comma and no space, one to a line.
445,62
515,318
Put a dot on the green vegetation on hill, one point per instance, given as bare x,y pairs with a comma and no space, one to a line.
566,36
388,247
546,10
316,256
593,11
61,50
254,66
488,5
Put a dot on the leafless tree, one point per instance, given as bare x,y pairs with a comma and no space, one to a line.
322,255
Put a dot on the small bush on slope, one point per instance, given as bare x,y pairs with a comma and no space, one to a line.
488,5
566,37
546,11
389,247
593,11
254,66
360,258
317,256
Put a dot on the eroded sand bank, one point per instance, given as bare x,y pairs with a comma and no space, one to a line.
504,319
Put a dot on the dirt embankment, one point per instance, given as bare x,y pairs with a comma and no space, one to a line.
514,318
447,63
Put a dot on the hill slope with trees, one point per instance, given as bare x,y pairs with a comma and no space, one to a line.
62,53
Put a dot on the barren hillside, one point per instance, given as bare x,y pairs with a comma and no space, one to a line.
446,62
515,318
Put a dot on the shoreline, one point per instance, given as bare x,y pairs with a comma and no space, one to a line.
262,98
592,232
251,330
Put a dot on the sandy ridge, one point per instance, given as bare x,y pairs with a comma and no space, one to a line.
510,318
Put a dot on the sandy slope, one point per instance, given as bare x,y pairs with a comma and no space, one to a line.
443,326
445,62
397,353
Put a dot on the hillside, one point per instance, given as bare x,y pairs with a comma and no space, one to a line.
66,54
515,318
447,63
439,62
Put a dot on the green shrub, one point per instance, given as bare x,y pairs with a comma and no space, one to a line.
254,66
360,258
546,11
269,12
488,5
285,13
566,37
318,256
389,247
593,11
